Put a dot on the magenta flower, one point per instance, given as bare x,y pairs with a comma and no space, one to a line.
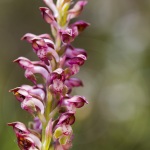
50,103
26,140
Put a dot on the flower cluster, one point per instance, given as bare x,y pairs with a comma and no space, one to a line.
51,103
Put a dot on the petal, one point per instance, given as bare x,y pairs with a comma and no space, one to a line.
67,129
36,140
45,36
73,82
40,70
37,93
20,93
68,35
48,17
19,128
81,25
47,14
73,52
26,87
26,140
52,53
79,101
36,125
29,37
32,105
38,43
24,62
52,6
74,69
76,10
29,75
63,140
58,74
79,60
50,43
58,85
67,118
58,132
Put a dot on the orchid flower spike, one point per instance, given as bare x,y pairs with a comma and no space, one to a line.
49,101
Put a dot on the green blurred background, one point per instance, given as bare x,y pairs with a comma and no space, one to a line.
116,75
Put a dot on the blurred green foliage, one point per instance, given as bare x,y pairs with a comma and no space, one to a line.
116,75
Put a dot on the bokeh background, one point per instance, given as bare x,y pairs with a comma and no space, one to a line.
116,76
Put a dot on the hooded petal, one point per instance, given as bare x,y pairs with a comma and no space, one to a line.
37,93
79,60
29,75
29,37
48,16
52,6
24,62
78,101
76,10
32,105
81,25
19,93
19,128
28,91
73,82
31,69
67,118
73,52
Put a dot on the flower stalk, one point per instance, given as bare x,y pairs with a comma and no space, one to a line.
50,103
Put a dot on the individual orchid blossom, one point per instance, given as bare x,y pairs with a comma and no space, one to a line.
50,103
25,138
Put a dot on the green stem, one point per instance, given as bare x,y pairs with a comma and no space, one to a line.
46,141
